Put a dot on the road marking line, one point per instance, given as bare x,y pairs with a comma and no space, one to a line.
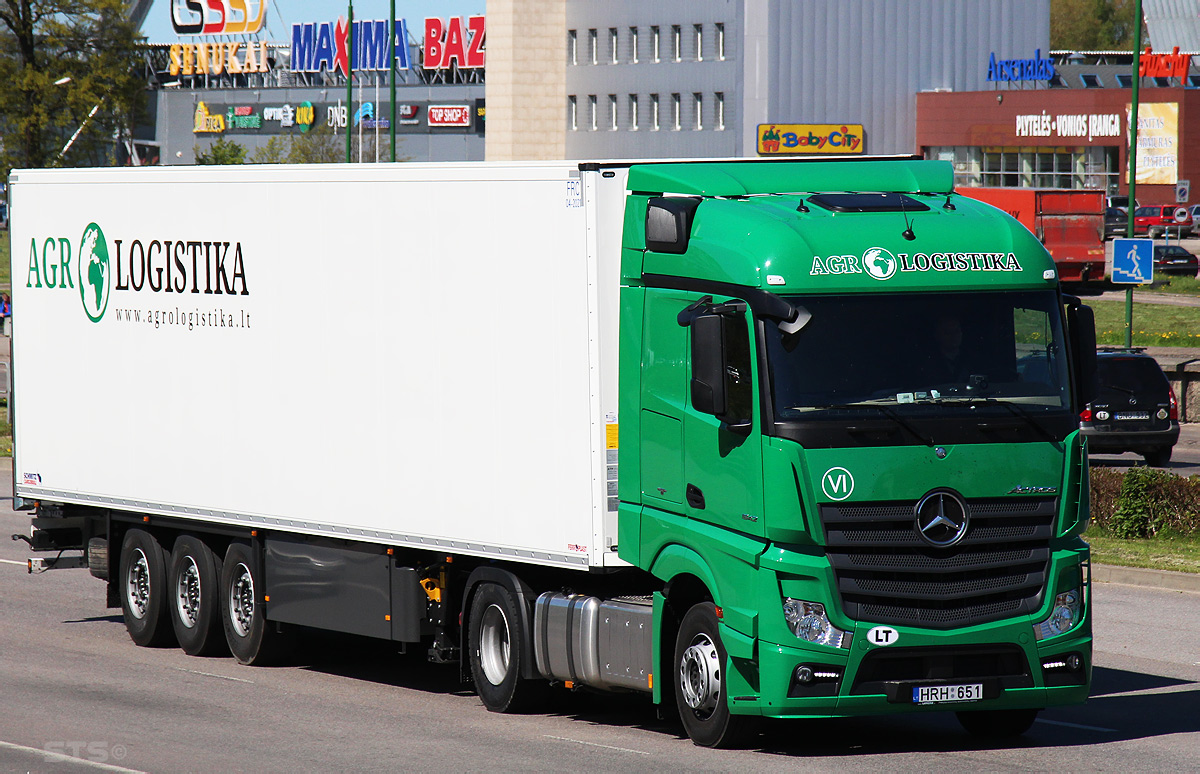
210,674
1076,725
593,744
68,758
10,561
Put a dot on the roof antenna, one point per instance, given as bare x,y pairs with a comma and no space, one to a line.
908,232
948,205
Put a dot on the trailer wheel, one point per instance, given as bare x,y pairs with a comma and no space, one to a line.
495,640
997,724
195,597
251,639
143,582
700,682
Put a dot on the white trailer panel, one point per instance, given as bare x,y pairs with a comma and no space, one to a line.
411,354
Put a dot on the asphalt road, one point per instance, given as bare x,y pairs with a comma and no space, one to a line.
79,696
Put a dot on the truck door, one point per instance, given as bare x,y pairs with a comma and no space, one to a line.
722,450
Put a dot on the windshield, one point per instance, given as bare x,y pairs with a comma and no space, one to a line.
910,356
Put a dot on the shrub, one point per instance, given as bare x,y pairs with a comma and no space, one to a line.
1144,502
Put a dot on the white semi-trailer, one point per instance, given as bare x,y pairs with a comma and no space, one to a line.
384,400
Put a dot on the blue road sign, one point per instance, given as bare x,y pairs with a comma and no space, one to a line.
1133,261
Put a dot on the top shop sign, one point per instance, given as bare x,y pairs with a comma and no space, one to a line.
218,17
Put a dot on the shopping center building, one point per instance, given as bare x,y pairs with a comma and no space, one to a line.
974,83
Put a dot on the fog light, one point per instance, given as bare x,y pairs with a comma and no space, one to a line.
1074,662
808,621
804,675
1065,614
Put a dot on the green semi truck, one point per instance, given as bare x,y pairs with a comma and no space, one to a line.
784,439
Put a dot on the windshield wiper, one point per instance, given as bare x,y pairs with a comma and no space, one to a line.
1013,408
879,406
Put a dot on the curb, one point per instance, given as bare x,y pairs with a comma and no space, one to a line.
1170,580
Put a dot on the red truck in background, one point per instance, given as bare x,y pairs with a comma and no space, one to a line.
1070,223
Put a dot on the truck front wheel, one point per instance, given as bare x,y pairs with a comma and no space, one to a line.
195,598
251,639
143,581
700,682
495,641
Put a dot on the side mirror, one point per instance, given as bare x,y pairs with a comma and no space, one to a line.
721,384
1081,327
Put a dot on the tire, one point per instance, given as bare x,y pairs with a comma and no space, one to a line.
195,597
1157,458
700,684
143,590
496,640
251,640
997,724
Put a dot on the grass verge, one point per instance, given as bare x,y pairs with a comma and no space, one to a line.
1154,325
1179,553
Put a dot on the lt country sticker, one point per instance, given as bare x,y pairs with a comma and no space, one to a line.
837,483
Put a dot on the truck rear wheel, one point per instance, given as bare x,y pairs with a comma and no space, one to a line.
195,597
143,583
997,724
700,660
496,640
251,639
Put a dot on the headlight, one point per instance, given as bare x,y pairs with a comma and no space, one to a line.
1066,613
807,621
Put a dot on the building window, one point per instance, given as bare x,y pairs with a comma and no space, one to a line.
612,112
720,127
593,119
612,45
1193,81
633,112
633,45
572,113
676,112
698,103
1091,81
721,42
654,125
1162,82
592,44
676,43
655,40
1124,81
698,29
572,47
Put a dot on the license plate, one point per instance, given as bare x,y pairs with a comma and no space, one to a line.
936,694
1133,415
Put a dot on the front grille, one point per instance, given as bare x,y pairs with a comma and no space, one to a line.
886,573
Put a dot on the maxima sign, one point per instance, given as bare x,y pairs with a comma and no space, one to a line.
323,46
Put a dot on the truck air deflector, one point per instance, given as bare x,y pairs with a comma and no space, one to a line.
905,175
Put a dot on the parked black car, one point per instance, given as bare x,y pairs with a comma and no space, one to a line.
1173,259
1135,408
1116,222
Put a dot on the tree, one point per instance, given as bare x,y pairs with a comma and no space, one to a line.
1092,25
319,146
222,152
66,66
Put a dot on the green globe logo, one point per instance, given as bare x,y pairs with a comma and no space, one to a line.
95,277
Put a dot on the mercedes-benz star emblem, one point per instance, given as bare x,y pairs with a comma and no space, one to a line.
942,518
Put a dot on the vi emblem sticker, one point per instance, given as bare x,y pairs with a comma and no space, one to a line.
837,483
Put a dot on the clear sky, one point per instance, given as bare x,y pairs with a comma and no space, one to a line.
281,14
